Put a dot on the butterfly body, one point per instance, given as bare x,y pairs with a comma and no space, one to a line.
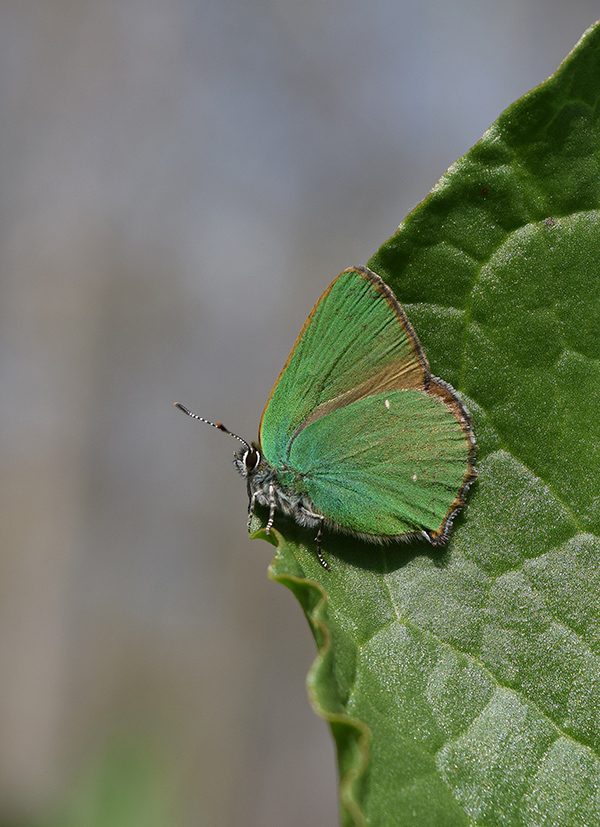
276,489
357,435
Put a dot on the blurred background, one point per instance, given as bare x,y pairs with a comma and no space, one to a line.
179,181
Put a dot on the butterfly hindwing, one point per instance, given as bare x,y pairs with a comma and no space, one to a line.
388,465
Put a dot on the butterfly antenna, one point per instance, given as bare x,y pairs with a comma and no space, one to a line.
218,425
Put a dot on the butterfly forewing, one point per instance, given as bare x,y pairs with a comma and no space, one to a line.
356,343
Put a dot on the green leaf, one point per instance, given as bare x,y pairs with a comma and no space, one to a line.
463,688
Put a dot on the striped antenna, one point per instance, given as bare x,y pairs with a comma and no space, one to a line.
218,425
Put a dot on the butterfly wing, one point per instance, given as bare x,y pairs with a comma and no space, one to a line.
356,342
389,465
378,445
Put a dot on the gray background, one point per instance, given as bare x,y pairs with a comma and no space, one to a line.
179,181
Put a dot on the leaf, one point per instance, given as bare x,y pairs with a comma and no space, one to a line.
463,688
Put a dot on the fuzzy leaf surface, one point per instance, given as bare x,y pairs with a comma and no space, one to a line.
463,687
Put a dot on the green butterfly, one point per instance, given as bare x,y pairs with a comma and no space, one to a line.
357,435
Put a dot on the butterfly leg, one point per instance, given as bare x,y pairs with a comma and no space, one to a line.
251,503
322,560
271,508
319,536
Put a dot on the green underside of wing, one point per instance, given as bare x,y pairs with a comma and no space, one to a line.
388,465
352,336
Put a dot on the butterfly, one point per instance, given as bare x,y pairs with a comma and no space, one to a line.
357,436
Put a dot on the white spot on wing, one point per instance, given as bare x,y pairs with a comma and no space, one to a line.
387,404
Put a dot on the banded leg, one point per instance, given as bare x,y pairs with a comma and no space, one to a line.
319,536
271,508
322,560
251,504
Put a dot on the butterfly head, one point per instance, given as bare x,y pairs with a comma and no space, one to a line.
248,460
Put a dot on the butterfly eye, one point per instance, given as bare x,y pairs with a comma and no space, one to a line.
251,460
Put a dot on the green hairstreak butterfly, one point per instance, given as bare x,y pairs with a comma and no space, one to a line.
357,436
